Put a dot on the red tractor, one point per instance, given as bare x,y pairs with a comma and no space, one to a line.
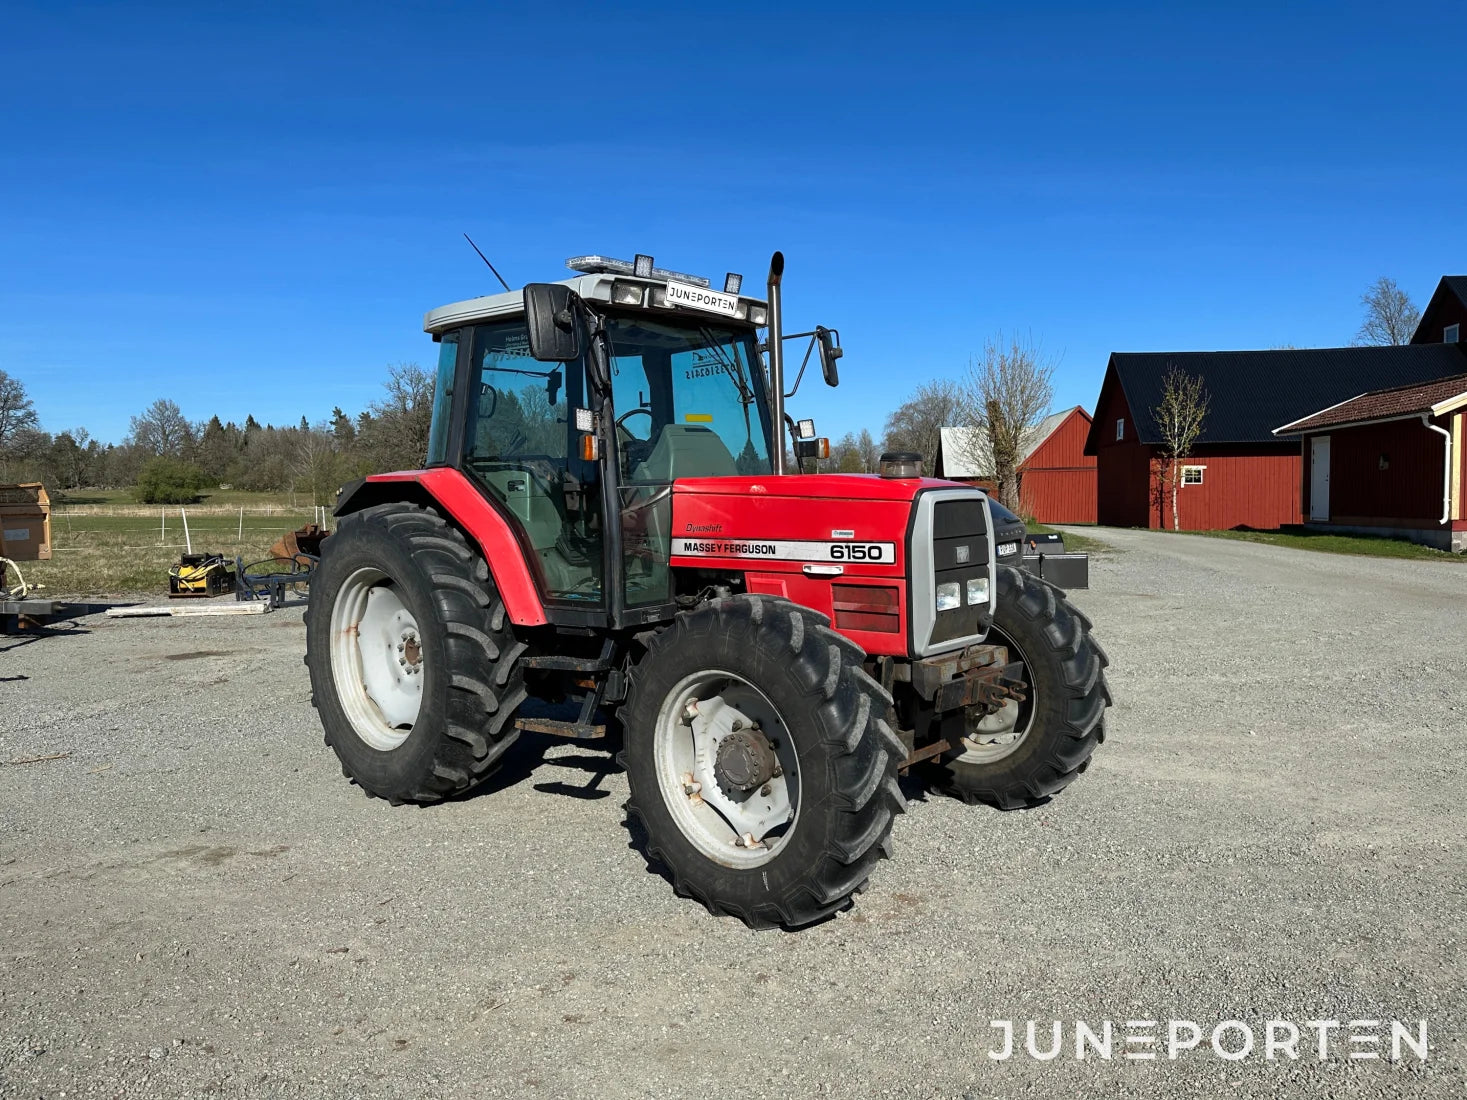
606,532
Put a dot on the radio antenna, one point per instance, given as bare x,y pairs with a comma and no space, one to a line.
486,261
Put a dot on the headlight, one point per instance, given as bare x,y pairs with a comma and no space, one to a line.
949,596
757,315
977,590
626,294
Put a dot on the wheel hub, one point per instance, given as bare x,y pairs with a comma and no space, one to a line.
410,653
745,761
732,794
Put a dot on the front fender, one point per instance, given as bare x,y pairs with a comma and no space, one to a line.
453,494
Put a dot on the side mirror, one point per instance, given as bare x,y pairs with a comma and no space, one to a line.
552,385
830,351
550,317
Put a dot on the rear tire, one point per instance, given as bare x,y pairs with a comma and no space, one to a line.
442,606
1063,721
784,673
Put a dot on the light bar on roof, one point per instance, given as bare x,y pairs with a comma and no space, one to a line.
609,265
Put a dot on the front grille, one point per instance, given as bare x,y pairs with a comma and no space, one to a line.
959,552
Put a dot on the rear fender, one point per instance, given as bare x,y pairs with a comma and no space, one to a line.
450,492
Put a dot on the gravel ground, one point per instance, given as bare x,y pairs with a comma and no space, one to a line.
196,903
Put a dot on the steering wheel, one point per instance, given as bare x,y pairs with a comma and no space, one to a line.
621,420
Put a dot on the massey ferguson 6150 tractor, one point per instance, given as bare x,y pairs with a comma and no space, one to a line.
605,521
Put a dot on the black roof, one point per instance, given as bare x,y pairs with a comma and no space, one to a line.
1253,392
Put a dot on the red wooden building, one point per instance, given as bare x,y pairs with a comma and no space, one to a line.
1444,321
1056,476
1240,473
1389,463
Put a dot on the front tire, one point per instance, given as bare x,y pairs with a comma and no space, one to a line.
1029,752
761,768
414,671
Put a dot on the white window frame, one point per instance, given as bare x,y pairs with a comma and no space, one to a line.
1198,470
1120,428
1451,334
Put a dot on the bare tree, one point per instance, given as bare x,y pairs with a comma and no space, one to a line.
317,464
396,433
1390,315
916,424
1009,389
17,413
1179,417
870,452
161,429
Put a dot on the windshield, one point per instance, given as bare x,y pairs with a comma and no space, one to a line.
689,400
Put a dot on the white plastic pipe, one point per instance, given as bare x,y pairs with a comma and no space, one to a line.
188,543
1446,466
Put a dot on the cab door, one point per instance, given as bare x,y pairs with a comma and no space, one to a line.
520,447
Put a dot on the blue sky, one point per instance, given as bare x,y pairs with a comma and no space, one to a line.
197,197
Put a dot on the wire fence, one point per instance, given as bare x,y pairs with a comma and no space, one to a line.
178,528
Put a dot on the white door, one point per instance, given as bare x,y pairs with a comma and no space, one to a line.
1319,477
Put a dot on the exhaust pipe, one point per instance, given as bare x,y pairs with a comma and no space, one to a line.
776,362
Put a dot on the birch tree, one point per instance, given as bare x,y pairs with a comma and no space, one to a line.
1179,417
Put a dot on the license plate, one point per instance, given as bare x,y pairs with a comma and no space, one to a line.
1007,548
698,297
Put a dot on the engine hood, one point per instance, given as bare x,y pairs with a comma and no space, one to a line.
813,487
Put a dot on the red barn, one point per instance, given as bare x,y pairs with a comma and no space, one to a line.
1056,476
1389,463
1444,320
1240,473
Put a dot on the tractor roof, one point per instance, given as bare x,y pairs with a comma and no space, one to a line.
593,288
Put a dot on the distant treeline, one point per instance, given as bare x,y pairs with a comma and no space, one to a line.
166,458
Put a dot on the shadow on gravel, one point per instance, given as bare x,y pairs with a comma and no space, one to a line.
16,631
529,753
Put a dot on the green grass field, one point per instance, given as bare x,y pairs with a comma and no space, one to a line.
1364,545
117,547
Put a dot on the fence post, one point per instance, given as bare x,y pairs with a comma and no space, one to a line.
162,526
240,536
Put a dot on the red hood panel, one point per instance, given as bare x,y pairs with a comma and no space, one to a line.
812,486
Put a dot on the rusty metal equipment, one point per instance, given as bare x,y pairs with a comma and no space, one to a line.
305,540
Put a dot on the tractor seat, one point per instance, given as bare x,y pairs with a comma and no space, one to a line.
686,450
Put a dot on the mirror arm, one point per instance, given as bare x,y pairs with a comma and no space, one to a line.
803,363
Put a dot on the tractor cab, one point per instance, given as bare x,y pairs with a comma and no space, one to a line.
576,406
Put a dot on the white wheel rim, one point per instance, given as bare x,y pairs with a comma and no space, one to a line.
736,829
377,659
995,736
